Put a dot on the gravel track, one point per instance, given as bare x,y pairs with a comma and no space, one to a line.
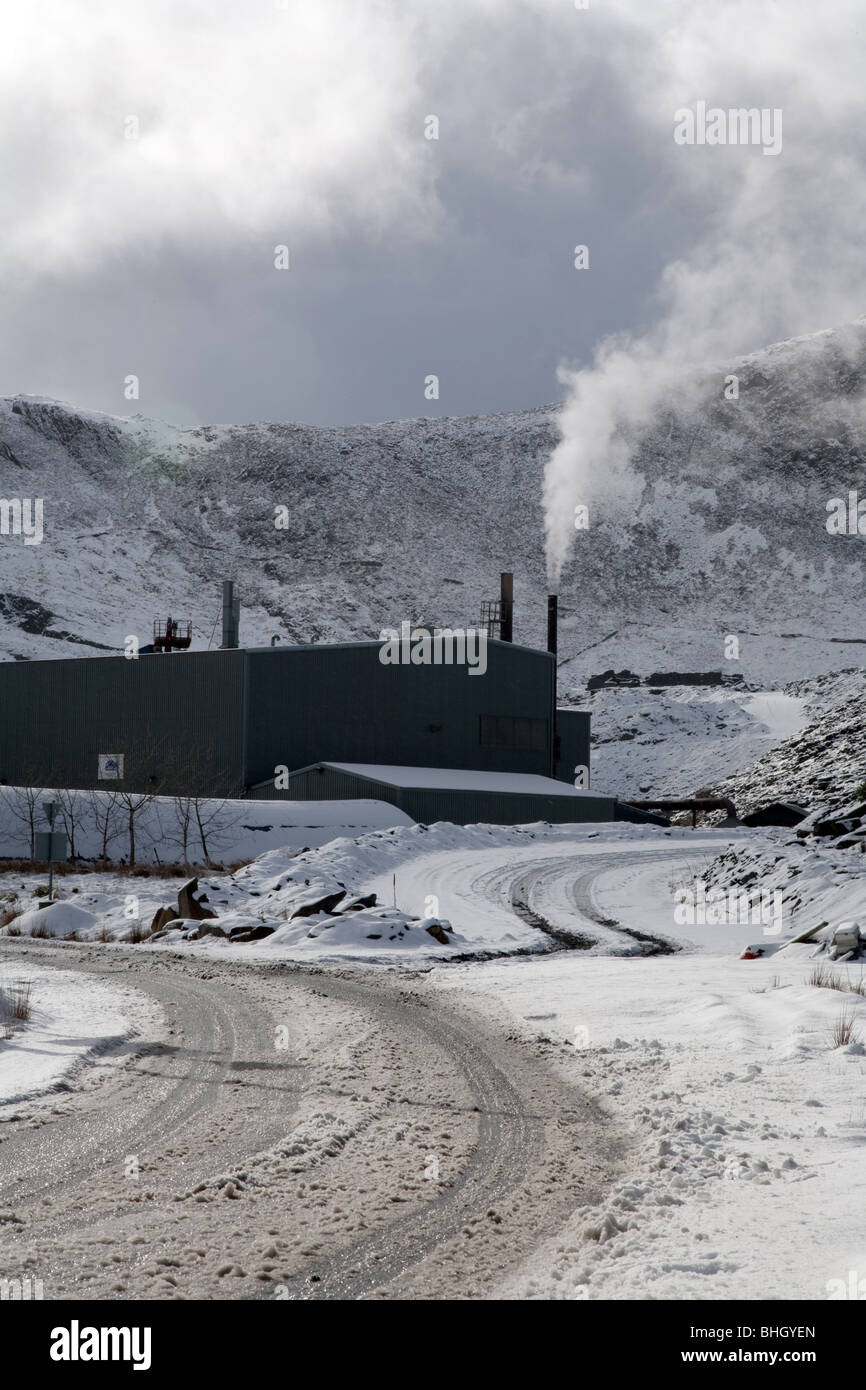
325,1146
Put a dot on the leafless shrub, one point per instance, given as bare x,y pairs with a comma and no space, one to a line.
7,915
16,1001
844,1031
823,977
98,866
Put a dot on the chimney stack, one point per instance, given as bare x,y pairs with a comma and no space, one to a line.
231,615
551,622
506,607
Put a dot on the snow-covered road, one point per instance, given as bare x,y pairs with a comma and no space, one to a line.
565,1112
297,1134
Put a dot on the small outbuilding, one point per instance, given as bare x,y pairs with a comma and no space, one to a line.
460,795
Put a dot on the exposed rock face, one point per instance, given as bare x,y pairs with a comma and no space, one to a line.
822,768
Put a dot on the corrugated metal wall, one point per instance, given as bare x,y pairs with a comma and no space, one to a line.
573,726
177,720
218,722
341,704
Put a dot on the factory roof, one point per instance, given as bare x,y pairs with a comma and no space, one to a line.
456,779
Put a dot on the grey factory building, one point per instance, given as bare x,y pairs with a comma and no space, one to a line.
241,722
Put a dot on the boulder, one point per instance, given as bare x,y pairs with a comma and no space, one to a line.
324,904
188,906
437,931
831,826
161,919
358,904
250,933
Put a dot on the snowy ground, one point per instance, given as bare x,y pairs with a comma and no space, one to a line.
74,1022
747,1179
745,1175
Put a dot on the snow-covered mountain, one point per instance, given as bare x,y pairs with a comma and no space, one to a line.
415,519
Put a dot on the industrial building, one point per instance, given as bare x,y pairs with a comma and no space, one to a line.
463,796
304,722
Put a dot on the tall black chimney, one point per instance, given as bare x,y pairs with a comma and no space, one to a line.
506,607
551,622
555,748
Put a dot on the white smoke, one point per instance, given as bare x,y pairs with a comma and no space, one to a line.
780,249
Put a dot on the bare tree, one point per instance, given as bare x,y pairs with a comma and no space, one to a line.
183,819
105,810
23,804
131,804
73,810
213,819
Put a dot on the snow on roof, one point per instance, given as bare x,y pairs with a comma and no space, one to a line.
460,779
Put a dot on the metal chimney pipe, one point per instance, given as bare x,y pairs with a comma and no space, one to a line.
231,614
552,622
506,607
552,625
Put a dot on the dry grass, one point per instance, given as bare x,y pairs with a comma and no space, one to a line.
844,1031
137,933
824,977
40,931
17,1006
100,866
105,934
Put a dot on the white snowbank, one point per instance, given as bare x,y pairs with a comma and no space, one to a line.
57,919
74,1020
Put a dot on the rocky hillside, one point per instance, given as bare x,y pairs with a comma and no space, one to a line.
823,767
414,519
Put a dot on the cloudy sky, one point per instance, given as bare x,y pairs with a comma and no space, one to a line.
157,151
